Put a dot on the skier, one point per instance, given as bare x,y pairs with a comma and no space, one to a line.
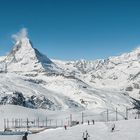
88,122
113,127
25,136
93,122
65,127
85,135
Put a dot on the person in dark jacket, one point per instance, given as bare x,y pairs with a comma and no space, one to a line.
88,122
113,128
65,127
25,136
85,135
93,122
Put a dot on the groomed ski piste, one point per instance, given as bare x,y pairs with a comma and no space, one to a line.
101,130
124,130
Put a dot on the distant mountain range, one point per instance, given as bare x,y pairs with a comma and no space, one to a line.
30,79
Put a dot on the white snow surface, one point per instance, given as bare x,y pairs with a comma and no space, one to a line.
124,130
64,93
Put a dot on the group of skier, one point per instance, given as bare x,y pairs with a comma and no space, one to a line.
93,122
85,134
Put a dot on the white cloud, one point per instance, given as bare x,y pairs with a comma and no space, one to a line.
21,34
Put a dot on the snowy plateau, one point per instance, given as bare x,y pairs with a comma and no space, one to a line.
32,85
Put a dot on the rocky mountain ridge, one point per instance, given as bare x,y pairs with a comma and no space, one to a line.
29,78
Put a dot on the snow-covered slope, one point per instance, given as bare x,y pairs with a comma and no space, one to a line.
30,79
120,73
58,93
124,130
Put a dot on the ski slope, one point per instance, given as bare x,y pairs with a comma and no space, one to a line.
125,130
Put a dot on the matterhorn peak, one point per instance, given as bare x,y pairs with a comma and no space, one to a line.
21,40
24,57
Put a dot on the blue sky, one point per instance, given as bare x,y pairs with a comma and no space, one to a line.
73,29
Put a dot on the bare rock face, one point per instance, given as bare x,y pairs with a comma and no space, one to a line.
136,85
18,98
129,88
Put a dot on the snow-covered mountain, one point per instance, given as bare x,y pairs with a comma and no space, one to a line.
29,78
24,58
